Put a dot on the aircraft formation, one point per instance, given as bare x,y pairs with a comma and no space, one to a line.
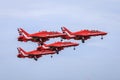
54,48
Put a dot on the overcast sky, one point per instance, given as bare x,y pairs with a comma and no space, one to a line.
94,60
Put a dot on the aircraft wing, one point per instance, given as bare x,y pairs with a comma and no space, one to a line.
41,52
82,35
47,35
38,35
56,44
89,33
63,44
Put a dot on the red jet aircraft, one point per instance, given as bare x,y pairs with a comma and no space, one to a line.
81,35
57,46
39,37
35,54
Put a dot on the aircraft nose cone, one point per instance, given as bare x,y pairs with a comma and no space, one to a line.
76,44
104,33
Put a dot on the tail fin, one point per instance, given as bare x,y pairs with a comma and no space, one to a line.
65,30
21,51
23,32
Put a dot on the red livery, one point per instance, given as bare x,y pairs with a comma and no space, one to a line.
50,49
82,34
39,37
45,49
35,54
57,46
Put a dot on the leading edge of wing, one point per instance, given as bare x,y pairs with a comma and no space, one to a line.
41,52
